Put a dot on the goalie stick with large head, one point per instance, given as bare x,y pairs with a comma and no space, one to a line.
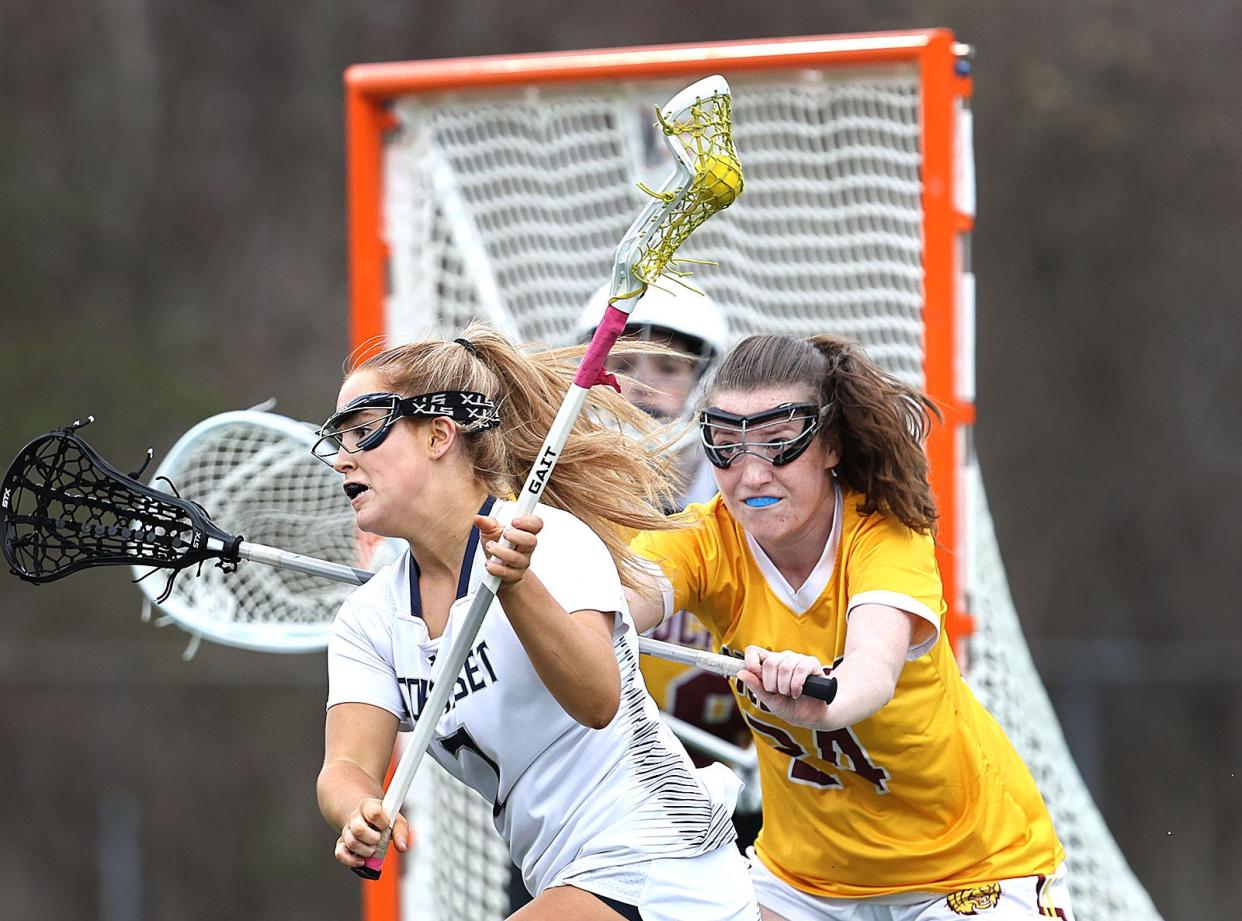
255,472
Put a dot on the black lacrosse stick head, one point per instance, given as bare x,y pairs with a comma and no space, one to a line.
64,508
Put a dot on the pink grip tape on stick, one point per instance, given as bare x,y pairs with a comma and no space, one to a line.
591,369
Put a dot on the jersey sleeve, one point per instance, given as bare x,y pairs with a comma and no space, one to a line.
360,661
684,557
891,564
575,566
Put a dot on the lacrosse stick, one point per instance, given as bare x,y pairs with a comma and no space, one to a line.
64,508
255,472
706,178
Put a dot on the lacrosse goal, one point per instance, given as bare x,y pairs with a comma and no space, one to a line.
497,188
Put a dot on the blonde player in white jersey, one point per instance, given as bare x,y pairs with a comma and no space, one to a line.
598,802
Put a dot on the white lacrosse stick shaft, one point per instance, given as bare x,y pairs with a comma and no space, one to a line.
625,284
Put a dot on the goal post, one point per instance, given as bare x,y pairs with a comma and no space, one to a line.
929,59
498,187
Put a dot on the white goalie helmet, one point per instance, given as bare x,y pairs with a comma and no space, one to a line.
670,307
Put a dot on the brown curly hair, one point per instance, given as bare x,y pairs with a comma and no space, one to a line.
876,423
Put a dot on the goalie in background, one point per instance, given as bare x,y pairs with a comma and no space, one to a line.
902,799
550,722
666,386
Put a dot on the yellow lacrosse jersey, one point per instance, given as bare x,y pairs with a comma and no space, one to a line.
927,794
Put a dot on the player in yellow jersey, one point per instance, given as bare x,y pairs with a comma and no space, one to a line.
902,800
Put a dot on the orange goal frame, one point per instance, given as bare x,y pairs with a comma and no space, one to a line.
370,89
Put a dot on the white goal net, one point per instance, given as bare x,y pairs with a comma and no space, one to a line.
508,208
505,202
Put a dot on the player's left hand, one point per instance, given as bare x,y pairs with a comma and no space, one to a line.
510,563
776,678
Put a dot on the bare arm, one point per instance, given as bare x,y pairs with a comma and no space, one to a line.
571,652
358,743
876,643
647,607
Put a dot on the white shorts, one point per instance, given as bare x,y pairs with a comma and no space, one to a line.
1028,898
710,887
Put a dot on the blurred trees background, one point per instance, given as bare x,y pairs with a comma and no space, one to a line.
172,244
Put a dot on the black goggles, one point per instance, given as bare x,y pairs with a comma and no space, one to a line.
778,435
365,422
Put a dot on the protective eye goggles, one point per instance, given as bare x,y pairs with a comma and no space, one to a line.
777,435
366,421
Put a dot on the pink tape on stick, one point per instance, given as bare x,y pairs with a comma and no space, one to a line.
591,369
374,864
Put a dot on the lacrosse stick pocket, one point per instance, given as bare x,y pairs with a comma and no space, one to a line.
64,508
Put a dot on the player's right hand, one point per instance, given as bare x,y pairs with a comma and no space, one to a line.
776,678
362,831
509,564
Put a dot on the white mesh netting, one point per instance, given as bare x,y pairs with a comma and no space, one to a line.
458,866
1003,677
507,206
509,209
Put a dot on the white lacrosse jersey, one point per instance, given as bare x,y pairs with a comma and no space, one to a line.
567,799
